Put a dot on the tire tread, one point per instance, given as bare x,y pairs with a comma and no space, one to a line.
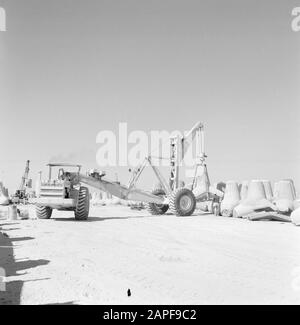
83,204
174,198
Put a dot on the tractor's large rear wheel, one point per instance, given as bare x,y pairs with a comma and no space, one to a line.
83,204
182,202
43,212
155,208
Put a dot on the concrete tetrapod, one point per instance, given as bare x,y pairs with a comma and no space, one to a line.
268,189
296,204
256,200
285,195
295,217
244,190
293,185
231,198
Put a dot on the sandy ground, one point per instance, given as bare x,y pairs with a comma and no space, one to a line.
200,259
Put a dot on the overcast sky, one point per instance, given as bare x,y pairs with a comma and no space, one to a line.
69,69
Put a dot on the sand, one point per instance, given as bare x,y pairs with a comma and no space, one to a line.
202,259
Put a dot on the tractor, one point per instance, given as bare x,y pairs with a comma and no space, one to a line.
63,192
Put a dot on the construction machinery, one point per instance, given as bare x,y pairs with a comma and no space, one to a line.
66,192
21,195
180,199
61,192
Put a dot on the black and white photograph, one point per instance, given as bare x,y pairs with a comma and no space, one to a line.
150,154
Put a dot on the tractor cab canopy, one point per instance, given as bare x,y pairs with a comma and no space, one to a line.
63,165
62,168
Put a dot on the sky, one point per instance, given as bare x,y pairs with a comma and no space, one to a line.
71,68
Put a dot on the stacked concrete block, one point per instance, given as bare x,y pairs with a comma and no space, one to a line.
244,190
268,189
284,196
256,199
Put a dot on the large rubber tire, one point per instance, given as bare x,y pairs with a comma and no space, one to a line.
83,204
182,202
157,209
43,212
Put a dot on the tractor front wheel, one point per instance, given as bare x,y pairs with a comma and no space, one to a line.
155,208
182,202
83,204
43,212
